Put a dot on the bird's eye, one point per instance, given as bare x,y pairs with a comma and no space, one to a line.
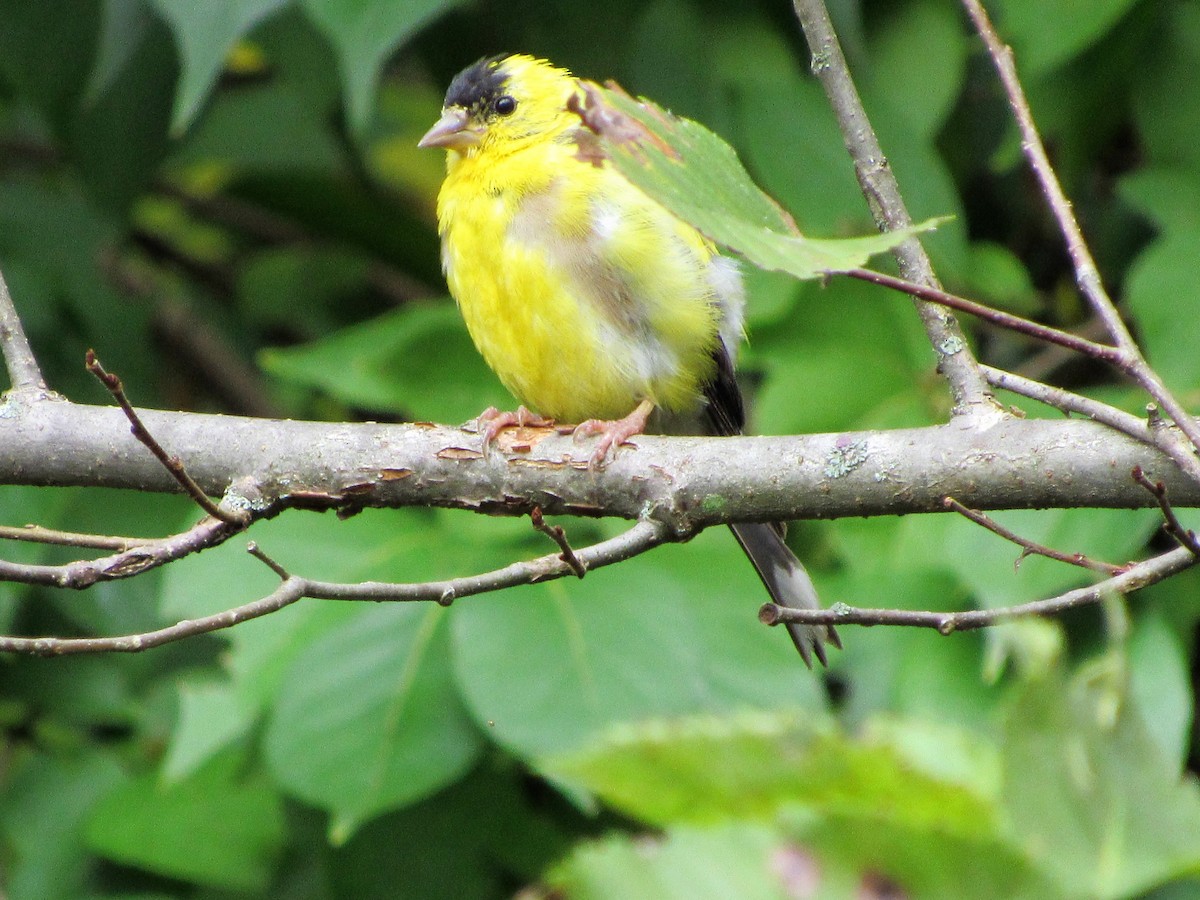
505,105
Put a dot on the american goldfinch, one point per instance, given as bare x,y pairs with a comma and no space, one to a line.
590,301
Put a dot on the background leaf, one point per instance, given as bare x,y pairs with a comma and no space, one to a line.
206,32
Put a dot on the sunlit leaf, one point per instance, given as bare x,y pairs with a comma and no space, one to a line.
1094,799
698,177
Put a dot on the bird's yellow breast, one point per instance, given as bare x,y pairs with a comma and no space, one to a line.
582,294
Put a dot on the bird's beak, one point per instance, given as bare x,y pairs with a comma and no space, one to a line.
451,131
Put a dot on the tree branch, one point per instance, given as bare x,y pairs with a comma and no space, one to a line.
1087,275
172,464
23,371
1183,536
129,562
641,537
1035,330
686,483
36,534
879,186
1032,548
1135,578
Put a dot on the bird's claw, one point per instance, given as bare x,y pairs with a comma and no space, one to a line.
613,433
492,421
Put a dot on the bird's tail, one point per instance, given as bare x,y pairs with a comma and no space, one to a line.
789,585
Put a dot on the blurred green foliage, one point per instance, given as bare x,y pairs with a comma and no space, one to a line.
226,201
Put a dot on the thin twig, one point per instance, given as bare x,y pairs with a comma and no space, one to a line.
257,552
131,561
1135,578
172,464
883,196
1131,365
284,595
22,365
1069,402
38,535
643,536
1032,548
1183,536
1168,440
1102,352
1149,381
1041,364
1087,275
559,536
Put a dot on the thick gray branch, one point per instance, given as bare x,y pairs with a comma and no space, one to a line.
685,483
882,192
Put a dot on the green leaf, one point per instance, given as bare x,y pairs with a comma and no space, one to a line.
666,56
217,828
123,25
368,719
814,378
729,860
270,127
1166,99
773,105
996,571
547,667
1160,683
417,362
118,137
1157,280
915,802
757,766
45,55
698,177
473,841
205,33
46,801
1093,799
1170,195
298,290
364,33
1000,278
374,545
1047,33
922,85
211,717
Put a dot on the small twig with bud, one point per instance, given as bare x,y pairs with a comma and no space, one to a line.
1184,537
1032,548
172,464
556,534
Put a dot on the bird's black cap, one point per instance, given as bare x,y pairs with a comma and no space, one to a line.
478,84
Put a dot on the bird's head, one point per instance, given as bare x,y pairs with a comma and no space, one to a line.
501,100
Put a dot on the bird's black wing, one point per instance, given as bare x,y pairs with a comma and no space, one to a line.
781,572
724,409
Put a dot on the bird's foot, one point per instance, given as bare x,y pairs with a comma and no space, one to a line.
493,421
613,432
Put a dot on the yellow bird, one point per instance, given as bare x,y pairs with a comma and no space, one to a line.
590,301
